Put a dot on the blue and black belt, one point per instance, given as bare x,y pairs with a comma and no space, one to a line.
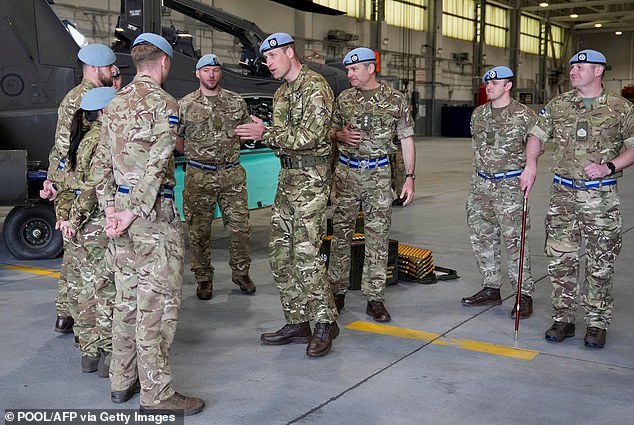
167,190
364,163
583,184
62,165
211,167
500,175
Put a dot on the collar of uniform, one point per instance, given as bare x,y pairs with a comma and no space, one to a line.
200,97
381,93
297,82
147,79
89,84
601,99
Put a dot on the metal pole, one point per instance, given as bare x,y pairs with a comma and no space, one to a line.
519,275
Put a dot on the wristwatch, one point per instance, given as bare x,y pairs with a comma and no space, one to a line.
412,175
612,167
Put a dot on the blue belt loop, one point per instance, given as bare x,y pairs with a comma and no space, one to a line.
501,175
364,163
211,167
583,184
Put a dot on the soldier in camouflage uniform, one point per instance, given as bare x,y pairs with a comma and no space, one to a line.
208,118
97,68
137,194
367,118
499,130
302,110
90,282
593,132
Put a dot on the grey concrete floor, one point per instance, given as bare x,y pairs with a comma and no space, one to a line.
458,368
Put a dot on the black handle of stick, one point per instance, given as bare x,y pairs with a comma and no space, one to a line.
519,274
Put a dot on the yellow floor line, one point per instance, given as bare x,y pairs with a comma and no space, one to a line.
465,344
33,270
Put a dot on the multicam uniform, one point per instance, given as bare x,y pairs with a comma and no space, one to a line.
214,174
588,210
90,277
495,201
138,136
63,179
363,177
299,135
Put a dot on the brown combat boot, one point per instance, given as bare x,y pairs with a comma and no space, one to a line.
178,404
290,332
205,290
526,307
321,341
377,310
486,296
244,282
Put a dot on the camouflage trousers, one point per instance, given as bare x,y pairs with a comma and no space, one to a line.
91,287
494,216
61,300
227,188
577,219
297,228
62,204
371,190
148,266
397,165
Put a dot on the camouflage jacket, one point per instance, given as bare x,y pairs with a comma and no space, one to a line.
138,136
208,126
499,143
585,134
85,204
302,111
379,119
65,112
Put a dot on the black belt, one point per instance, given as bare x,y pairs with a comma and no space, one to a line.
167,190
211,167
302,161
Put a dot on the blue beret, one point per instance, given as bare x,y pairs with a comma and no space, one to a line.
155,39
498,73
360,54
96,99
588,56
276,40
208,60
96,55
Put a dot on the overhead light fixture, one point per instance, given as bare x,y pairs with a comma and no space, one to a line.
598,25
543,4
573,16
618,32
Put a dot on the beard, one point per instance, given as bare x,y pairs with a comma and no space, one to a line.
209,86
105,78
